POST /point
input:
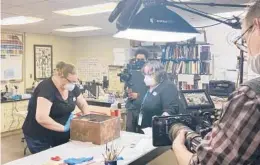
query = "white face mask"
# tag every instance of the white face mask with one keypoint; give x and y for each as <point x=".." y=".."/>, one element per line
<point x="69" y="86"/>
<point x="149" y="80"/>
<point x="254" y="63"/>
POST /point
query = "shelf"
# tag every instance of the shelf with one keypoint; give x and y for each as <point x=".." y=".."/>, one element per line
<point x="180" y="60"/>
<point x="194" y="74"/>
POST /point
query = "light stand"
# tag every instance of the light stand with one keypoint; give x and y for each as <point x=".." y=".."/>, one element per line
<point x="128" y="9"/>
<point x="234" y="23"/>
<point x="241" y="65"/>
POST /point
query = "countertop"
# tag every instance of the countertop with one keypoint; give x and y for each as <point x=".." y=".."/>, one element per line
<point x="135" y="146"/>
<point x="10" y="101"/>
<point x="89" y="101"/>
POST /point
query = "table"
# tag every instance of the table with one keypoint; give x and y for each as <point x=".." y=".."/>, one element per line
<point x="136" y="146"/>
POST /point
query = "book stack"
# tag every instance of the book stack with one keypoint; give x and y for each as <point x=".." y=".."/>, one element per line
<point x="191" y="67"/>
<point x="185" y="86"/>
<point x="205" y="59"/>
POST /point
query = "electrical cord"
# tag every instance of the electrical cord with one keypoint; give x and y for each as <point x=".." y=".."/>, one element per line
<point x="203" y="11"/>
<point x="207" y="26"/>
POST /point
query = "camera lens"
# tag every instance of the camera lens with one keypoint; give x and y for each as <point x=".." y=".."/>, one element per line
<point x="176" y="128"/>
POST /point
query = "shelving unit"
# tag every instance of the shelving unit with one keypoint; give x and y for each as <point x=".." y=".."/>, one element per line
<point x="185" y="62"/>
<point x="188" y="62"/>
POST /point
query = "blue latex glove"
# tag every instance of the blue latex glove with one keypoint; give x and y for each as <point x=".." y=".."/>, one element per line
<point x="73" y="161"/>
<point x="67" y="124"/>
<point x="120" y="158"/>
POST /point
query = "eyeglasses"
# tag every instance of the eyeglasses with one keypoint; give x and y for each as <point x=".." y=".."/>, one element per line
<point x="70" y="81"/>
<point x="242" y="46"/>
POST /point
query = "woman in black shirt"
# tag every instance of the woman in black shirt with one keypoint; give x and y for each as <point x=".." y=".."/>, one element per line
<point x="50" y="109"/>
<point x="162" y="97"/>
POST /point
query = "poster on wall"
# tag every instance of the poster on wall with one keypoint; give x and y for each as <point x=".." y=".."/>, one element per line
<point x="12" y="50"/>
<point x="42" y="61"/>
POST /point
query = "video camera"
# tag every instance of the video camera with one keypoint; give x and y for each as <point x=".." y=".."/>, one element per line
<point x="197" y="120"/>
<point x="126" y="74"/>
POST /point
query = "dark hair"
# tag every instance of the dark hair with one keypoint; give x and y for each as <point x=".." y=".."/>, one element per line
<point x="143" y="51"/>
<point x="65" y="69"/>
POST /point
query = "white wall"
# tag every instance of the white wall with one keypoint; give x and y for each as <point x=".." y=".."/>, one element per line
<point x="62" y="50"/>
<point x="224" y="51"/>
<point x="68" y="50"/>
<point x="98" y="47"/>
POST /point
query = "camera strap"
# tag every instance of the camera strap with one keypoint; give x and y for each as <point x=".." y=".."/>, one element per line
<point x="140" y="117"/>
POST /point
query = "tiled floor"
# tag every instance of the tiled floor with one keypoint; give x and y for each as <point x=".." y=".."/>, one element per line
<point x="11" y="148"/>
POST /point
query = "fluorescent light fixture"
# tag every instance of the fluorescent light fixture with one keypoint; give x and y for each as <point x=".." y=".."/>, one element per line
<point x="154" y="36"/>
<point x="88" y="10"/>
<point x="163" y="25"/>
<point x="78" y="29"/>
<point x="20" y="20"/>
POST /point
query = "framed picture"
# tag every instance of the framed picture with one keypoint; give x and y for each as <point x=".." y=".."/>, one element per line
<point x="42" y="61"/>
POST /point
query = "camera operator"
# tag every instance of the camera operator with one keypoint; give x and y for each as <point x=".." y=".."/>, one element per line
<point x="235" y="138"/>
<point x="136" y="91"/>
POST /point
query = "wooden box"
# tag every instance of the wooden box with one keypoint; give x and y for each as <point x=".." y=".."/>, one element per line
<point x="98" y="129"/>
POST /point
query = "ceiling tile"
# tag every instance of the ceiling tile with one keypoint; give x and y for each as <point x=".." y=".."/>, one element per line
<point x="44" y="9"/>
<point x="6" y="6"/>
<point x="19" y="2"/>
<point x="6" y="15"/>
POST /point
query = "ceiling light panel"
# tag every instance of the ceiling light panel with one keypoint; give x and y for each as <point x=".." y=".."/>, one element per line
<point x="78" y="29"/>
<point x="88" y="10"/>
<point x="20" y="20"/>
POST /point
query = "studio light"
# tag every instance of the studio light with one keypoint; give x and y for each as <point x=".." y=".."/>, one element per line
<point x="157" y="24"/>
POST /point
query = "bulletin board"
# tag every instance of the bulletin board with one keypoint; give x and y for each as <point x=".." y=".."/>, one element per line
<point x="12" y="53"/>
<point x="90" y="69"/>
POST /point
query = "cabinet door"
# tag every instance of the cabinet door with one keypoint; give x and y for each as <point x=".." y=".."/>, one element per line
<point x="22" y="105"/>
<point x="7" y="113"/>
<point x="2" y="120"/>
<point x="21" y="121"/>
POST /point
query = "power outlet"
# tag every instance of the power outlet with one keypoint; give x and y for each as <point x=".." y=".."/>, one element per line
<point x="30" y="75"/>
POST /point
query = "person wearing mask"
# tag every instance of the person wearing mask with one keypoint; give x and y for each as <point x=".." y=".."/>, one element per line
<point x="235" y="138"/>
<point x="136" y="89"/>
<point x="50" y="109"/>
<point x="162" y="97"/>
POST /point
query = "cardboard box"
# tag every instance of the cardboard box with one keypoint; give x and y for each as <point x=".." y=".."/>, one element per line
<point x="98" y="129"/>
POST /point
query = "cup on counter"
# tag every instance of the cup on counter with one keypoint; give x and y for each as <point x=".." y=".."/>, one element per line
<point x="113" y="162"/>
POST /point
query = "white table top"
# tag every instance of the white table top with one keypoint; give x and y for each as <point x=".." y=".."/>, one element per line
<point x="136" y="145"/>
